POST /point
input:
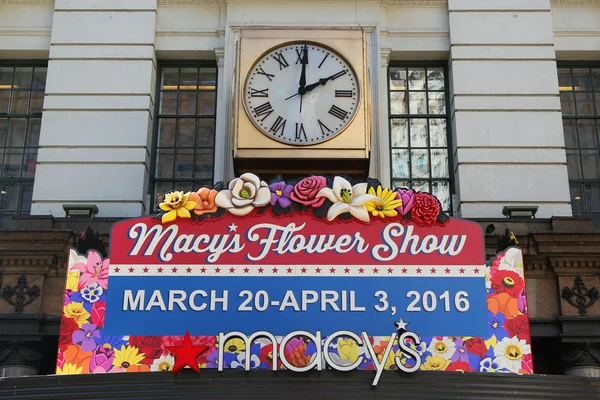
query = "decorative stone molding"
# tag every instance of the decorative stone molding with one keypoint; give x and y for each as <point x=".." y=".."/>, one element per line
<point x="576" y="2"/>
<point x="188" y="2"/>
<point x="28" y="2"/>
<point x="417" y="3"/>
<point x="21" y="294"/>
<point x="580" y="296"/>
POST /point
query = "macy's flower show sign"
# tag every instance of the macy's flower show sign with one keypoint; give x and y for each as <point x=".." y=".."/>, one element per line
<point x="311" y="274"/>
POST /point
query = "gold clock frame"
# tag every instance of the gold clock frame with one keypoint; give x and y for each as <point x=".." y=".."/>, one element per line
<point x="352" y="143"/>
<point x="308" y="42"/>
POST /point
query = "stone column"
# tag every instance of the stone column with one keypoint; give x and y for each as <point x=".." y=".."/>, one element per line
<point x="581" y="359"/>
<point x="18" y="359"/>
<point x="506" y="120"/>
<point x="97" y="125"/>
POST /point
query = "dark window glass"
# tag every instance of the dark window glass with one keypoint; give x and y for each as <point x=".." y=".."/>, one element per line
<point x="22" y="89"/>
<point x="419" y="131"/>
<point x="184" y="130"/>
<point x="580" y="101"/>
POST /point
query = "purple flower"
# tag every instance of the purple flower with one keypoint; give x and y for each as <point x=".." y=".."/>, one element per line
<point x="461" y="352"/>
<point x="85" y="336"/>
<point x="102" y="360"/>
<point x="408" y="200"/>
<point x="522" y="301"/>
<point x="280" y="193"/>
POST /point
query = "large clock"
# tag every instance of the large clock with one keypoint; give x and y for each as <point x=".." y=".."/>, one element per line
<point x="301" y="93"/>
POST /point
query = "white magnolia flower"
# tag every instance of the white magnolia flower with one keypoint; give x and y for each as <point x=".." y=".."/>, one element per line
<point x="163" y="363"/>
<point x="75" y="258"/>
<point x="444" y="348"/>
<point x="348" y="198"/>
<point x="512" y="261"/>
<point x="509" y="353"/>
<point x="245" y="194"/>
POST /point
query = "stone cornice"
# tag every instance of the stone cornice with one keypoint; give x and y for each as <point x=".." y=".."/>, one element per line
<point x="575" y="2"/>
<point x="28" y="2"/>
<point x="188" y="2"/>
<point x="416" y="3"/>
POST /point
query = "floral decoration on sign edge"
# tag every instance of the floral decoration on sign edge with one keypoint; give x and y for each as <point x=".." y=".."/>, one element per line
<point x="327" y="198"/>
<point x="83" y="347"/>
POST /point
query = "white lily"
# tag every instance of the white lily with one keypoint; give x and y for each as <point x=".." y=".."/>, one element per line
<point x="348" y="198"/>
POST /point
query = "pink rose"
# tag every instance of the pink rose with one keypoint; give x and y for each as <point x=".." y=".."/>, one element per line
<point x="306" y="190"/>
<point x="97" y="313"/>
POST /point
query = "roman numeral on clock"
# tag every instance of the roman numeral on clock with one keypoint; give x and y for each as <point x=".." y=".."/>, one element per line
<point x="261" y="71"/>
<point x="324" y="128"/>
<point x="300" y="53"/>
<point x="338" y="112"/>
<point x="264" y="109"/>
<point x="343" y="93"/>
<point x="262" y="93"/>
<point x="277" y="125"/>
<point x="300" y="132"/>
<point x="281" y="60"/>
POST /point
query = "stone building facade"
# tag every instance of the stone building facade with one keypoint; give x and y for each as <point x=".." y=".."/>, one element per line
<point x="488" y="104"/>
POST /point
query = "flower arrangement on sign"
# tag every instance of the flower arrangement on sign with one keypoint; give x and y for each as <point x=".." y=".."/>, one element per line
<point x="84" y="348"/>
<point x="325" y="197"/>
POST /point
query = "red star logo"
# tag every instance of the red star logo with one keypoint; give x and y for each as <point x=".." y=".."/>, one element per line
<point x="318" y="270"/>
<point x="188" y="270"/>
<point x="419" y="270"/>
<point x="303" y="270"/>
<point x="145" y="270"/>
<point x="160" y="270"/>
<point x="462" y="270"/>
<point x="231" y="270"/>
<point x="332" y="270"/>
<point x="260" y="270"/>
<point x="218" y="270"/>
<point x="447" y="270"/>
<point x="246" y="270"/>
<point x="361" y="270"/>
<point x="117" y="270"/>
<point x="174" y="270"/>
<point x="203" y="270"/>
<point x="289" y="270"/>
<point x="433" y="270"/>
<point x="131" y="270"/>
<point x="186" y="354"/>
<point x="390" y="270"/>
<point x="275" y="270"/>
<point x="347" y="270"/>
<point x="476" y="271"/>
<point x="375" y="271"/>
<point x="404" y="270"/>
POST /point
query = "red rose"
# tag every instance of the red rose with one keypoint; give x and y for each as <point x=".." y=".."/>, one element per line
<point x="461" y="366"/>
<point x="425" y="210"/>
<point x="67" y="327"/>
<point x="476" y="346"/>
<point x="97" y="313"/>
<point x="151" y="346"/>
<point x="506" y="281"/>
<point x="306" y="190"/>
<point x="209" y="341"/>
<point x="518" y="326"/>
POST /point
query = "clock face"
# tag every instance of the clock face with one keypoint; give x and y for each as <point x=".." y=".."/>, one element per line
<point x="301" y="94"/>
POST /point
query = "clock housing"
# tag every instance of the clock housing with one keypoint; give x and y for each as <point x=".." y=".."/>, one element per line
<point x="256" y="148"/>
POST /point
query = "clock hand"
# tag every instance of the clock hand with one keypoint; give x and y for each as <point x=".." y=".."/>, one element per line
<point x="303" y="73"/>
<point x="323" y="81"/>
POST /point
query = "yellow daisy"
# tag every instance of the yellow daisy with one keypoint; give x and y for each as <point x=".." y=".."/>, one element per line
<point x="176" y="204"/>
<point x="127" y="356"/>
<point x="389" y="205"/>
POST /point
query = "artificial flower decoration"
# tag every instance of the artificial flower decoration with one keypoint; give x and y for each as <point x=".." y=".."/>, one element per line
<point x="176" y="204"/>
<point x="76" y="311"/>
<point x="69" y="369"/>
<point x="205" y="200"/>
<point x="509" y="353"/>
<point x="408" y="200"/>
<point x="94" y="270"/>
<point x="280" y="194"/>
<point x="426" y="209"/>
<point x="86" y="337"/>
<point x="388" y="206"/>
<point x="245" y="194"/>
<point x="348" y="198"/>
<point x="127" y="357"/>
<point x="305" y="192"/>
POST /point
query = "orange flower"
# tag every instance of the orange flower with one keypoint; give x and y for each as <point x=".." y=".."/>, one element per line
<point x="138" y="368"/>
<point x="380" y="349"/>
<point x="298" y="357"/>
<point x="503" y="303"/>
<point x="74" y="355"/>
<point x="205" y="201"/>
